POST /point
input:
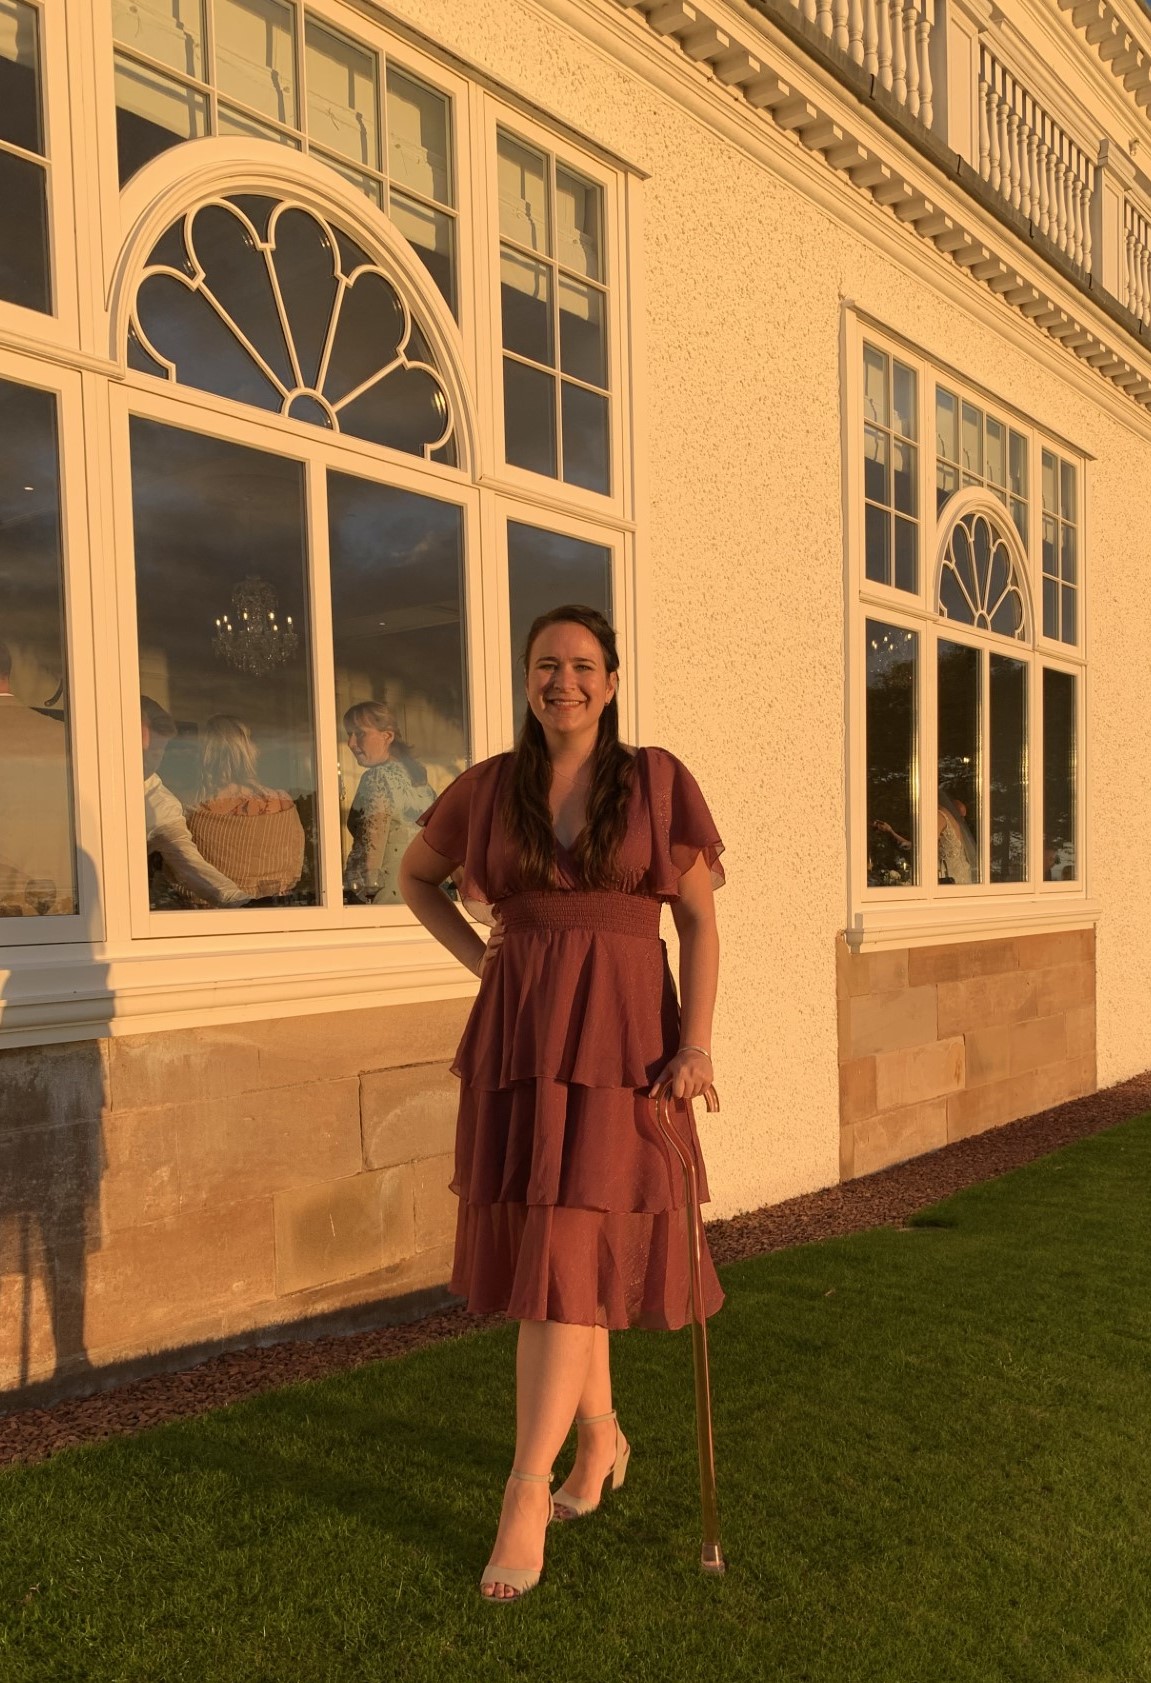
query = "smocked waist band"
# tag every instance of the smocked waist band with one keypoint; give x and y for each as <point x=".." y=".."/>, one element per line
<point x="602" y="911"/>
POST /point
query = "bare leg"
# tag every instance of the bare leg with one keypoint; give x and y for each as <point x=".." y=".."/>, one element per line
<point x="596" y="1447"/>
<point x="552" y="1359"/>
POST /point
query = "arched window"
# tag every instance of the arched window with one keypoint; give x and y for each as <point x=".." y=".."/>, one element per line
<point x="972" y="687"/>
<point x="299" y="556"/>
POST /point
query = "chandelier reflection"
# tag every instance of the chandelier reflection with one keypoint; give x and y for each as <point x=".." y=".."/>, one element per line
<point x="251" y="638"/>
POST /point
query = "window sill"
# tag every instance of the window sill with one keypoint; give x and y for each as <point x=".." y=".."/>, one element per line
<point x="83" y="992"/>
<point x="881" y="928"/>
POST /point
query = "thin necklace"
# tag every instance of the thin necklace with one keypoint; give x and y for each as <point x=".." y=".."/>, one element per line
<point x="565" y="776"/>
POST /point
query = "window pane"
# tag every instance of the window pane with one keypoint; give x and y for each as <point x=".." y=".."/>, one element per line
<point x="876" y="465"/>
<point x="958" y="816"/>
<point x="255" y="56"/>
<point x="523" y="176"/>
<point x="398" y="634"/>
<point x="236" y="122"/>
<point x="343" y="97"/>
<point x="947" y="424"/>
<point x="432" y="233"/>
<point x="20" y="119"/>
<point x="971" y="439"/>
<point x="585" y="439"/>
<point x="153" y="114"/>
<point x="1050" y="543"/>
<point x="1059" y="768"/>
<point x="946" y="484"/>
<point x="526" y="307"/>
<point x="546" y="569"/>
<point x="877" y="543"/>
<point x="906" y="475"/>
<point x="529" y="418"/>
<point x="579" y="222"/>
<point x="419" y="138"/>
<point x="892" y="767"/>
<point x="37" y="858"/>
<point x="1008" y="770"/>
<point x="1067" y="490"/>
<point x="1069" y="629"/>
<point x="1068" y="555"/>
<point x="1019" y="515"/>
<point x="906" y="555"/>
<point x="905" y="389"/>
<point x="1050" y="483"/>
<point x="996" y="452"/>
<point x="24" y="271"/>
<point x="1050" y="607"/>
<point x="171" y="31"/>
<point x="1018" y="463"/>
<point x="876" y="401"/>
<point x="230" y="791"/>
<point x="583" y="347"/>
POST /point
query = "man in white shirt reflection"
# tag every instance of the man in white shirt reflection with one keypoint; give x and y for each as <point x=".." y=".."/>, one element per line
<point x="36" y="858"/>
<point x="168" y="833"/>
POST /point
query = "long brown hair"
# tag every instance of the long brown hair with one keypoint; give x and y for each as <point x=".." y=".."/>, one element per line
<point x="526" y="811"/>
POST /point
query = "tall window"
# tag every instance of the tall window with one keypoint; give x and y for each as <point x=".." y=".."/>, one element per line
<point x="37" y="854"/>
<point x="273" y="70"/>
<point x="25" y="274"/>
<point x="554" y="308"/>
<point x="972" y="678"/>
<point x="303" y="688"/>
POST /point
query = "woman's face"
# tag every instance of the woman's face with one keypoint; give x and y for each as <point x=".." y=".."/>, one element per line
<point x="568" y="684"/>
<point x="369" y="745"/>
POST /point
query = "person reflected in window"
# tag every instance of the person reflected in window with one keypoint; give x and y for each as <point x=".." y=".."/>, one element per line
<point x="244" y="829"/>
<point x="35" y="813"/>
<point x="184" y="877"/>
<point x="393" y="792"/>
<point x="958" y="852"/>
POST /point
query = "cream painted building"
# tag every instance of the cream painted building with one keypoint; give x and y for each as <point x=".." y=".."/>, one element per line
<point x="336" y="340"/>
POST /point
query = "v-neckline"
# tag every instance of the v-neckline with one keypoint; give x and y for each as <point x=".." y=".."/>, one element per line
<point x="567" y="846"/>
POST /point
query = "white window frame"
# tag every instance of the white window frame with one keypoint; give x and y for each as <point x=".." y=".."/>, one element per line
<point x="927" y="911"/>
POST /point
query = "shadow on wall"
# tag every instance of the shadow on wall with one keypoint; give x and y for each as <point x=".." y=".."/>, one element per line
<point x="52" y="1164"/>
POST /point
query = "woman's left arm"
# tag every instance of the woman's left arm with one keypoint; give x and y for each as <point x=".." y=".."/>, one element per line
<point x="690" y="1070"/>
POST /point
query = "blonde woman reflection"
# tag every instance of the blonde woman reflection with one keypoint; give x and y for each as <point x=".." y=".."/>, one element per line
<point x="250" y="832"/>
<point x="392" y="794"/>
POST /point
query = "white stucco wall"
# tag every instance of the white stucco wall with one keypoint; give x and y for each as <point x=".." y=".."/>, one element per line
<point x="741" y="595"/>
<point x="741" y="568"/>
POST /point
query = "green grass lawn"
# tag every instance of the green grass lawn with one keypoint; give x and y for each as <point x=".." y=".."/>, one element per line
<point x="934" y="1451"/>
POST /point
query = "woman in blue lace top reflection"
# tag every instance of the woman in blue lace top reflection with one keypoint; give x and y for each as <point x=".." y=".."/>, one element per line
<point x="393" y="792"/>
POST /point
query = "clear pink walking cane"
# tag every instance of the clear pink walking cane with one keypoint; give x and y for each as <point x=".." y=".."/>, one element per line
<point x="711" y="1555"/>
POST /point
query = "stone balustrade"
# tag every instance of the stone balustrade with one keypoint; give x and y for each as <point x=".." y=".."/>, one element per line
<point x="1137" y="267"/>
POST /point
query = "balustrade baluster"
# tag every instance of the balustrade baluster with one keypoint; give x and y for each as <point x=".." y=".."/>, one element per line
<point x="1130" y="286"/>
<point x="926" y="87"/>
<point x="1085" y="224"/>
<point x="1054" y="227"/>
<point x="1002" y="111"/>
<point x="839" y="24"/>
<point x="1042" y="167"/>
<point x="1031" y="191"/>
<point x="909" y="21"/>
<point x="1016" y="171"/>
<point x="898" y="51"/>
<point x="1066" y="227"/>
<point x="984" y="103"/>
<point x="883" y="9"/>
<point x="870" y="38"/>
<point x="855" y="31"/>
<point x="823" y="16"/>
<point x="808" y="8"/>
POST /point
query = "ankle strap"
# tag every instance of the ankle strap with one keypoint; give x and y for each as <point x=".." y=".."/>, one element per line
<point x="532" y="1478"/>
<point x="594" y="1419"/>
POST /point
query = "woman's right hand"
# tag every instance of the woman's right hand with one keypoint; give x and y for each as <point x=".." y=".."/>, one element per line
<point x="494" y="943"/>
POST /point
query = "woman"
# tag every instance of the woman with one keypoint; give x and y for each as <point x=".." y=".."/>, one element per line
<point x="393" y="792"/>
<point x="571" y="1206"/>
<point x="250" y="833"/>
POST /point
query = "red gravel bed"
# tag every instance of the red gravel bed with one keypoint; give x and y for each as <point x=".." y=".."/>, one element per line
<point x="885" y="1199"/>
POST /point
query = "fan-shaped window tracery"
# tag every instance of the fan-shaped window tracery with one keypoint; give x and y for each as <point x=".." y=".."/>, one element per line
<point x="270" y="304"/>
<point x="979" y="584"/>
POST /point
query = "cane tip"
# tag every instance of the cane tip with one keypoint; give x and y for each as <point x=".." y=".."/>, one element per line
<point x="711" y="1560"/>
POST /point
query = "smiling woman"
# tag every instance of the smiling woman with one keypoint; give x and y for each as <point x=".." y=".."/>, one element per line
<point x="570" y="1216"/>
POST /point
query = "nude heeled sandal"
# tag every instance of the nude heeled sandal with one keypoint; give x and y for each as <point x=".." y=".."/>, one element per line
<point x="521" y="1579"/>
<point x="579" y="1506"/>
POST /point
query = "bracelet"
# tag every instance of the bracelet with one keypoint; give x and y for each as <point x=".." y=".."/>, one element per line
<point x="702" y="1049"/>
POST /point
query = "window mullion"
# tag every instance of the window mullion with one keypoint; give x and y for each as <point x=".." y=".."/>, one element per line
<point x="927" y="764"/>
<point x="328" y="820"/>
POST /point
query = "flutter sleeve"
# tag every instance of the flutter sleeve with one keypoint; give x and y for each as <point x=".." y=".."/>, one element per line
<point x="682" y="826"/>
<point x="458" y="825"/>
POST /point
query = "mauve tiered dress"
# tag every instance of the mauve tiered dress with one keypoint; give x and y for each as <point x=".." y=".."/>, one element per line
<point x="571" y="1204"/>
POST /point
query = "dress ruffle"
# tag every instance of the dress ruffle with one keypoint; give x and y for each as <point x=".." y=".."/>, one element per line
<point x="571" y="1203"/>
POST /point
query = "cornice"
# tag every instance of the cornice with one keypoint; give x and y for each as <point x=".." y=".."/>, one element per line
<point x="996" y="248"/>
<point x="1120" y="33"/>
